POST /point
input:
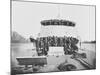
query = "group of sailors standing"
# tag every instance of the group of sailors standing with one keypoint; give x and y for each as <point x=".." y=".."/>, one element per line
<point x="43" y="44"/>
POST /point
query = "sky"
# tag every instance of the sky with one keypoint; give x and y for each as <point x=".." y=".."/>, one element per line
<point x="26" y="18"/>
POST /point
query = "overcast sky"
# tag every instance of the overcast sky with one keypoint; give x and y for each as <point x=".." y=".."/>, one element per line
<point x="26" y="17"/>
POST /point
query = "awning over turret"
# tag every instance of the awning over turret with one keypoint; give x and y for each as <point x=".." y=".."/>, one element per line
<point x="57" y="22"/>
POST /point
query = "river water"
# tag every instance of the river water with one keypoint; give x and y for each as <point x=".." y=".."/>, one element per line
<point x="21" y="50"/>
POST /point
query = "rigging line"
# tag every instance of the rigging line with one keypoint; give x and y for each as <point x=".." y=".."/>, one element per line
<point x="58" y="15"/>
